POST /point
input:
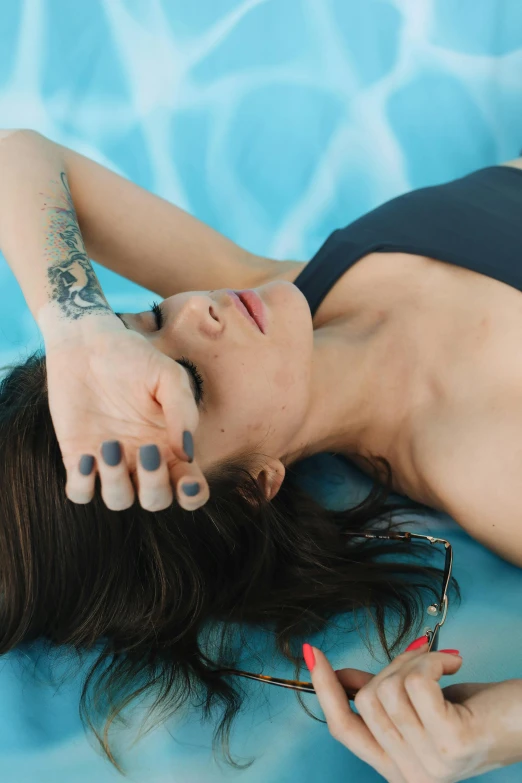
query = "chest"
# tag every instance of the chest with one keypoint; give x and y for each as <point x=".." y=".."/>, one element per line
<point x="469" y="436"/>
<point x="464" y="331"/>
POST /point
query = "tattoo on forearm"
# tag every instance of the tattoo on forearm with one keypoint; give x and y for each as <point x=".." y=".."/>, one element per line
<point x="74" y="286"/>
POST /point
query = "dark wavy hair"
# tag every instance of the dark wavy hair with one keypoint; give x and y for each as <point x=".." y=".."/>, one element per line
<point x="141" y="587"/>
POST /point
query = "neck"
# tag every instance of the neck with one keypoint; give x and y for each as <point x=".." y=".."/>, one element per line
<point x="366" y="388"/>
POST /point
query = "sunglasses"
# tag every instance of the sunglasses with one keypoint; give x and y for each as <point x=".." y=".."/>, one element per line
<point x="434" y="610"/>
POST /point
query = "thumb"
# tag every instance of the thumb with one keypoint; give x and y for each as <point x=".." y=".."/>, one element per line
<point x="179" y="414"/>
<point x="353" y="680"/>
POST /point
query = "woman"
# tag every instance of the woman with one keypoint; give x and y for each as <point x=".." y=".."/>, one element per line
<point x="403" y="358"/>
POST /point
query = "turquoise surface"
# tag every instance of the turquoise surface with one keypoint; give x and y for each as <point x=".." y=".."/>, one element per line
<point x="275" y="121"/>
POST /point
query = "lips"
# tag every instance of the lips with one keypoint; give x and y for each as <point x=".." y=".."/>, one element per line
<point x="255" y="307"/>
<point x="251" y="306"/>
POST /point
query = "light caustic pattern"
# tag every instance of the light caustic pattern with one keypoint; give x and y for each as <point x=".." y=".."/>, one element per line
<point x="275" y="121"/>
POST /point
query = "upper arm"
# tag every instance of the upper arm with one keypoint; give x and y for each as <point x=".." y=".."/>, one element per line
<point x="478" y="477"/>
<point x="152" y="242"/>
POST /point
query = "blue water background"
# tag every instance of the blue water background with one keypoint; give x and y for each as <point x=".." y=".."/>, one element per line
<point x="274" y="121"/>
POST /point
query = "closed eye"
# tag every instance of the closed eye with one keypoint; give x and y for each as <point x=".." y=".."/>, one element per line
<point x="155" y="308"/>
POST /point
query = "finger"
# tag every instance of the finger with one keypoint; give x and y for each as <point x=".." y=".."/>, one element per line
<point x="372" y="710"/>
<point x="421" y="683"/>
<point x="344" y="725"/>
<point x="190" y="485"/>
<point x="154" y="488"/>
<point x="353" y="679"/>
<point x="187" y="478"/>
<point x="394" y="698"/>
<point x="81" y="478"/>
<point x="391" y="717"/>
<point x="401" y="714"/>
<point x="117" y="489"/>
<point x="396" y="665"/>
<point x="181" y="417"/>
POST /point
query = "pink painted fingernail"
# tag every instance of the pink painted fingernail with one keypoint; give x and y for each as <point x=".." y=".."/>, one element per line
<point x="417" y="643"/>
<point x="308" y="655"/>
<point x="451" y="652"/>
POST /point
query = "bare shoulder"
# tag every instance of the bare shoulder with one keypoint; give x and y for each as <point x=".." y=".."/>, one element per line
<point x="516" y="163"/>
<point x="472" y="464"/>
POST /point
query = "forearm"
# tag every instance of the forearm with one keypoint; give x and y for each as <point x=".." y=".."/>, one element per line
<point x="41" y="239"/>
<point x="509" y="749"/>
<point x="494" y="712"/>
<point x="148" y="239"/>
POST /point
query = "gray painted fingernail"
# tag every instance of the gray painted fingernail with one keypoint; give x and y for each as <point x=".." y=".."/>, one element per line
<point x="188" y="445"/>
<point x="86" y="464"/>
<point x="190" y="489"/>
<point x="150" y="457"/>
<point x="111" y="452"/>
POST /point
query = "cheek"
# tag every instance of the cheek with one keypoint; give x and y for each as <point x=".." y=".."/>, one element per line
<point x="254" y="429"/>
<point x="286" y="379"/>
<point x="291" y="383"/>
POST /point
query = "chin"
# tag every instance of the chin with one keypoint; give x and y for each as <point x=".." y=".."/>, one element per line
<point x="284" y="295"/>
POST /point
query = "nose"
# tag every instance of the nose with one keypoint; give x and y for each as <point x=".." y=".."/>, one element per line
<point x="206" y="311"/>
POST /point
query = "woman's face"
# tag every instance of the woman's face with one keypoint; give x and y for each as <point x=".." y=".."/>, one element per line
<point x="256" y="386"/>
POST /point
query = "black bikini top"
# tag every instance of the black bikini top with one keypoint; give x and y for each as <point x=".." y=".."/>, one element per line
<point x="473" y="222"/>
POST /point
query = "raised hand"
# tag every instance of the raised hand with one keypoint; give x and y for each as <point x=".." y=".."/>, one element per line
<point x="113" y="387"/>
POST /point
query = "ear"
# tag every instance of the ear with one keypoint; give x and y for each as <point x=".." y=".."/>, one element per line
<point x="270" y="477"/>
